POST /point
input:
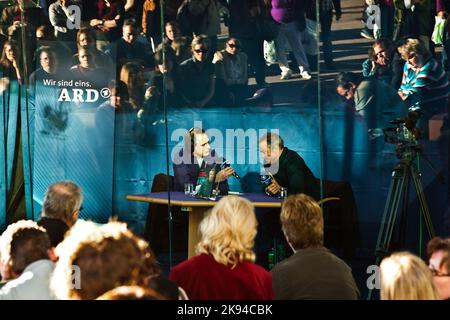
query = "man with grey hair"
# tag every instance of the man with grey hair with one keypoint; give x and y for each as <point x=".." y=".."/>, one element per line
<point x="60" y="210"/>
<point x="287" y="168"/>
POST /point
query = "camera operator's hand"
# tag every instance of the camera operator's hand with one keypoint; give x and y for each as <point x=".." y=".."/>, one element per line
<point x="273" y="188"/>
<point x="224" y="174"/>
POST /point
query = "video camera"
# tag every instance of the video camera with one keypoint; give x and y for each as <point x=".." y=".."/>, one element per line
<point x="405" y="131"/>
<point x="404" y="135"/>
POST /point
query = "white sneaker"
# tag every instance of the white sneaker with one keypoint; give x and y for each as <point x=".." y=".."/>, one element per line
<point x="305" y="75"/>
<point x="286" y="75"/>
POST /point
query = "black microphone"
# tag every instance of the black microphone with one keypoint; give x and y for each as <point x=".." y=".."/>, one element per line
<point x="236" y="175"/>
<point x="226" y="165"/>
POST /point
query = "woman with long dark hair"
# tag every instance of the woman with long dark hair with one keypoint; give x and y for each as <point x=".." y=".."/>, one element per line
<point x="10" y="62"/>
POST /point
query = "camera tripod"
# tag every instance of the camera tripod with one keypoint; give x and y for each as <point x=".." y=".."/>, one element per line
<point x="402" y="174"/>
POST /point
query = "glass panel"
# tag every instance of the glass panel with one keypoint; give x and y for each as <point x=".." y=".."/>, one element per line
<point x="107" y="97"/>
<point x="358" y="150"/>
<point x="233" y="95"/>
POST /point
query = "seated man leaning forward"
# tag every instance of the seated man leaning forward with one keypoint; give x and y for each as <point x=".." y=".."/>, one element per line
<point x="196" y="160"/>
<point x="287" y="168"/>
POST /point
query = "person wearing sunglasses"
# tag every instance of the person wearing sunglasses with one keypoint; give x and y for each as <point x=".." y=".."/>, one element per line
<point x="231" y="72"/>
<point x="438" y="251"/>
<point x="425" y="84"/>
<point x="196" y="78"/>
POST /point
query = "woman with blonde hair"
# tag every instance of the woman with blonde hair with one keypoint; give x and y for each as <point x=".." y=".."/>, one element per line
<point x="224" y="268"/>
<point x="406" y="277"/>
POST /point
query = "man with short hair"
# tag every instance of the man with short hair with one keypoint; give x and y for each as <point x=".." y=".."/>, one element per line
<point x="312" y="272"/>
<point x="287" y="168"/>
<point x="196" y="77"/>
<point x="374" y="100"/>
<point x="197" y="158"/>
<point x="62" y="205"/>
<point x="128" y="48"/>
<point x="25" y="250"/>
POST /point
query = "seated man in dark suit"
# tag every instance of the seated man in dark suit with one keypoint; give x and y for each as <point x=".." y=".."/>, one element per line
<point x="190" y="162"/>
<point x="290" y="171"/>
<point x="188" y="167"/>
<point x="287" y="168"/>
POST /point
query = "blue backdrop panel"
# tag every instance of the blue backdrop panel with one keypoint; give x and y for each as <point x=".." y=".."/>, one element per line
<point x="145" y="160"/>
<point x="9" y="111"/>
<point x="68" y="146"/>
<point x="349" y="155"/>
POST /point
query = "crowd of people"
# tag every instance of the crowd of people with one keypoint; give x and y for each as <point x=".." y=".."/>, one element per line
<point x="397" y="81"/>
<point x="62" y="257"/>
<point x="120" y="45"/>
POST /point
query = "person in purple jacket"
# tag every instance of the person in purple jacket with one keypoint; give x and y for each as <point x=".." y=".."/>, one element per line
<point x="291" y="17"/>
<point x="442" y="8"/>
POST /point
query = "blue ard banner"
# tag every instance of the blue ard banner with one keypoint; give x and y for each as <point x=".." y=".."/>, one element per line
<point x="70" y="99"/>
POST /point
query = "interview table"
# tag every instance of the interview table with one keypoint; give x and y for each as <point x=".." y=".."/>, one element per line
<point x="196" y="208"/>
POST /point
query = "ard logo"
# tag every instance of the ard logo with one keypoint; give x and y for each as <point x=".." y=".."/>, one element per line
<point x="82" y="95"/>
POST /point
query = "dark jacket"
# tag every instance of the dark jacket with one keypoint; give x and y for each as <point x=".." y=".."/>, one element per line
<point x="294" y="174"/>
<point x="56" y="229"/>
<point x="188" y="172"/>
<point x="125" y="52"/>
<point x="323" y="276"/>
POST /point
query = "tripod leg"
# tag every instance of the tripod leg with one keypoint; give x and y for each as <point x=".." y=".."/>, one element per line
<point x="425" y="212"/>
<point x="404" y="211"/>
<point x="390" y="213"/>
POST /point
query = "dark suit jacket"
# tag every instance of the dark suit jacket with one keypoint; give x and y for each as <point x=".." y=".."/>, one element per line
<point x="188" y="172"/>
<point x="294" y="174"/>
<point x="323" y="276"/>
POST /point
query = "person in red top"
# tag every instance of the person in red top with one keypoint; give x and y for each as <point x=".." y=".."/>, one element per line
<point x="224" y="268"/>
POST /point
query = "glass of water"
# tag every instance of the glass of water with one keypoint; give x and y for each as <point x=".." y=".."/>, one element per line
<point x="188" y="188"/>
<point x="283" y="193"/>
